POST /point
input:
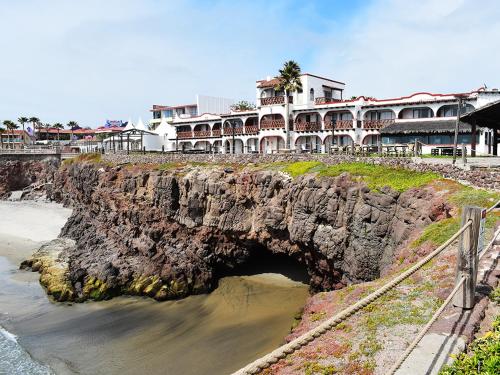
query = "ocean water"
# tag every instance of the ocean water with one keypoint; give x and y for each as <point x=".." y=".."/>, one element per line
<point x="14" y="360"/>
<point x="218" y="333"/>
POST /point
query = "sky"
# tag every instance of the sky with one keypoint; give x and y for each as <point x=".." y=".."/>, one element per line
<point x="94" y="60"/>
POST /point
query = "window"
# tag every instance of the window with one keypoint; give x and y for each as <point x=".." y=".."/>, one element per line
<point x="168" y="113"/>
<point x="421" y="113"/>
<point x="193" y="111"/>
<point x="311" y="95"/>
<point x="156" y="114"/>
<point x="328" y="94"/>
<point x="346" y="116"/>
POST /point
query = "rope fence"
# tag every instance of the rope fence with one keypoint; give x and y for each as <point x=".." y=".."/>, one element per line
<point x="294" y="345"/>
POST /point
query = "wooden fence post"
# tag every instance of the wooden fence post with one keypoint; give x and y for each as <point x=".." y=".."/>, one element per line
<point x="467" y="258"/>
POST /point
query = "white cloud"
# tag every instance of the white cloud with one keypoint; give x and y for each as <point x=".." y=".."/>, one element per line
<point x="396" y="47"/>
<point x="92" y="60"/>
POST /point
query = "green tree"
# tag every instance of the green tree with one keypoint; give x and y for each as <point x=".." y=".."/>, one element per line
<point x="46" y="126"/>
<point x="34" y="121"/>
<point x="58" y="126"/>
<point x="22" y="121"/>
<point x="71" y="125"/>
<point x="243" y="105"/>
<point x="289" y="77"/>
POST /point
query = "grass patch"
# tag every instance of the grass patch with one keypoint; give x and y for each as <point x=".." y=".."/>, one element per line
<point x="94" y="157"/>
<point x="439" y="232"/>
<point x="313" y="368"/>
<point x="375" y="176"/>
<point x="483" y="355"/>
<point x="168" y="166"/>
<point x="468" y="196"/>
<point x="301" y="167"/>
<point x="378" y="176"/>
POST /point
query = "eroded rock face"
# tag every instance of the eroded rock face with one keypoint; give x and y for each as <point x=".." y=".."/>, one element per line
<point x="168" y="235"/>
<point x="17" y="175"/>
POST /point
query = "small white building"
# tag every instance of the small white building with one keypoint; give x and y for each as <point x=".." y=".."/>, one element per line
<point x="204" y="104"/>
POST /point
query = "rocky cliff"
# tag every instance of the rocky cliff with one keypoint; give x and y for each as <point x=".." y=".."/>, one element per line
<point x="17" y="174"/>
<point x="168" y="234"/>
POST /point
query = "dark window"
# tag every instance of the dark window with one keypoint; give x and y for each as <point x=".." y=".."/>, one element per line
<point x="421" y="113"/>
<point x="311" y="95"/>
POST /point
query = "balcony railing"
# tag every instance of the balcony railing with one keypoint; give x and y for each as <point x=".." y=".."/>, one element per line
<point x="229" y="130"/>
<point x="184" y="134"/>
<point x="202" y="133"/>
<point x="272" y="124"/>
<point x="340" y="125"/>
<point x="377" y="124"/>
<point x="324" y="100"/>
<point x="216" y="132"/>
<point x="251" y="129"/>
<point x="273" y="100"/>
<point x="307" y="126"/>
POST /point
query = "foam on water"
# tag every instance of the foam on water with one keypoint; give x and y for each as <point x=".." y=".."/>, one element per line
<point x="14" y="360"/>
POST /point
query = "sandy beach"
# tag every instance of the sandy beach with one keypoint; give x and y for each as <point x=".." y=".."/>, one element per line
<point x="242" y="319"/>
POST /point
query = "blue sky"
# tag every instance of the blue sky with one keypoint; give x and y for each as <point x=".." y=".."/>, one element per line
<point x="95" y="60"/>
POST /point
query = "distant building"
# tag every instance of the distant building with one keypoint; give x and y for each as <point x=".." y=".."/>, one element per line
<point x="320" y="117"/>
<point x="14" y="139"/>
<point x="204" y="104"/>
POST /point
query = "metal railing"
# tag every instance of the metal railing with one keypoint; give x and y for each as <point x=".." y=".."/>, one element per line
<point x="467" y="248"/>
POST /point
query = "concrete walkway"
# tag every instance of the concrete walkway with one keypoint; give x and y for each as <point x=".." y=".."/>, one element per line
<point x="476" y="162"/>
<point x="455" y="327"/>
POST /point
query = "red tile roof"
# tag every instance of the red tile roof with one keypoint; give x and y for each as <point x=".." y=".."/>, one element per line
<point x="271" y="83"/>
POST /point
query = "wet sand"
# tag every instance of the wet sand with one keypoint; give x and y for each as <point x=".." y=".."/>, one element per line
<point x="245" y="317"/>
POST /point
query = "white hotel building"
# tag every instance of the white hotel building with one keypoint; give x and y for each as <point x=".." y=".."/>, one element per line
<point x="319" y="107"/>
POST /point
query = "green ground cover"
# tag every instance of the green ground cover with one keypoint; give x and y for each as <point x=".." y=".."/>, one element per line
<point x="375" y="176"/>
<point x="483" y="354"/>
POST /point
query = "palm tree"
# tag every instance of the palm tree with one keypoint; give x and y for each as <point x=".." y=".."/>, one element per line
<point x="72" y="125"/>
<point x="11" y="125"/>
<point x="47" y="126"/>
<point x="22" y="121"/>
<point x="34" y="121"/>
<point x="289" y="83"/>
<point x="58" y="126"/>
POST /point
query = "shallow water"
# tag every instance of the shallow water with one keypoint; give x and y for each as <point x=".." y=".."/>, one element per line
<point x="244" y="318"/>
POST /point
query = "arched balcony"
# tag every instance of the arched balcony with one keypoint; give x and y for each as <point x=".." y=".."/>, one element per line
<point x="203" y="146"/>
<point x="415" y="113"/>
<point x="271" y="144"/>
<point x="202" y="131"/>
<point x="308" y="144"/>
<point x="342" y="120"/>
<point x="216" y="129"/>
<point x="233" y="127"/>
<point x="339" y="140"/>
<point x="235" y="147"/>
<point x="274" y="121"/>
<point x="252" y="145"/>
<point x="252" y="125"/>
<point x="184" y="132"/>
<point x="378" y="119"/>
<point x="450" y="110"/>
<point x="307" y="122"/>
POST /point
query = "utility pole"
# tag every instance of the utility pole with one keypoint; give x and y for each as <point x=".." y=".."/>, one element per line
<point x="232" y="127"/>
<point x="457" y="124"/>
